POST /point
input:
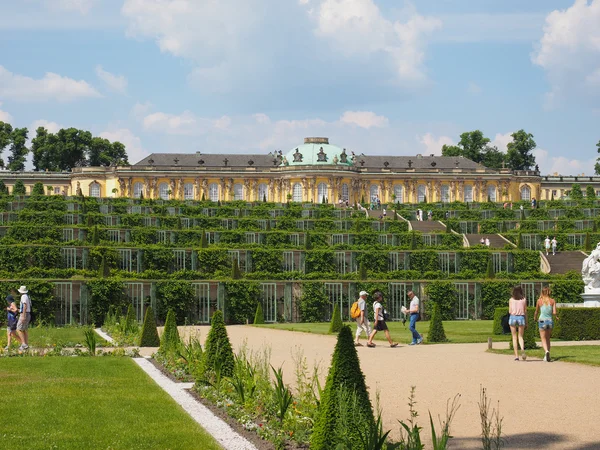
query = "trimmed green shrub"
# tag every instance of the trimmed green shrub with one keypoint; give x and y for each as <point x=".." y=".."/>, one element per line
<point x="577" y="324"/>
<point x="149" y="337"/>
<point x="344" y="374"/>
<point x="170" y="337"/>
<point x="236" y="274"/>
<point x="131" y="324"/>
<point x="241" y="301"/>
<point x="259" y="317"/>
<point x="336" y="320"/>
<point x="203" y="240"/>
<point x="442" y="293"/>
<point x="568" y="291"/>
<point x="38" y="189"/>
<point x="436" y="327"/>
<point x="530" y="332"/>
<point x="494" y="294"/>
<point x="313" y="303"/>
<point x="217" y="349"/>
<point x="19" y="188"/>
<point x="362" y="272"/>
<point x="95" y="236"/>
<point x="490" y="274"/>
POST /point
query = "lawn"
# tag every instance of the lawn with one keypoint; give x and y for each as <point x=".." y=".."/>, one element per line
<point x="85" y="402"/>
<point x="582" y="354"/>
<point x="48" y="336"/>
<point x="457" y="331"/>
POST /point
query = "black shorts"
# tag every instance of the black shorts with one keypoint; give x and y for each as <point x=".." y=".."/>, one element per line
<point x="381" y="325"/>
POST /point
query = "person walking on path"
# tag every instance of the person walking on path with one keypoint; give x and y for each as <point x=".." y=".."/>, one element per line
<point x="24" y="318"/>
<point x="362" y="321"/>
<point x="487" y="242"/>
<point x="517" y="310"/>
<point x="554" y="244"/>
<point x="379" y="324"/>
<point x="545" y="311"/>
<point x="12" y="319"/>
<point x="413" y="311"/>
<point x="547" y="244"/>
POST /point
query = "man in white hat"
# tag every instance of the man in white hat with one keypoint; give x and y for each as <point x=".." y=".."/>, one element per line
<point x="24" y="317"/>
<point x="362" y="322"/>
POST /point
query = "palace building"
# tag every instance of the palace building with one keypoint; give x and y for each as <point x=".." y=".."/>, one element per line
<point x="314" y="171"/>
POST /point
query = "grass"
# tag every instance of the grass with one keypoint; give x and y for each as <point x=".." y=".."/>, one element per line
<point x="104" y="402"/>
<point x="582" y="354"/>
<point x="48" y="336"/>
<point x="457" y="331"/>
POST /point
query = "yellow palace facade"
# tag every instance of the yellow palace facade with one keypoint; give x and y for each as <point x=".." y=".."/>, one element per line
<point x="314" y="171"/>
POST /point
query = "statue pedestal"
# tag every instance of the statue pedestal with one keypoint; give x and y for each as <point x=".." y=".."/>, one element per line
<point x="591" y="300"/>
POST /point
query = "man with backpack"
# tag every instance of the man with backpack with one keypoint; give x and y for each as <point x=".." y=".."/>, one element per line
<point x="381" y="316"/>
<point x="12" y="313"/>
<point x="359" y="313"/>
<point x="24" y="318"/>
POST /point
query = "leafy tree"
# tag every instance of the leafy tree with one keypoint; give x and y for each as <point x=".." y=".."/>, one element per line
<point x="3" y="188"/>
<point x="19" y="188"/>
<point x="218" y="347"/>
<point x="519" y="155"/>
<point x="576" y="192"/>
<point x="38" y="189"/>
<point x="475" y="146"/>
<point x="149" y="337"/>
<point x="336" y="320"/>
<point x="18" y="149"/>
<point x="102" y="152"/>
<point x="259" y="317"/>
<point x="170" y="337"/>
<point x="436" y="331"/>
<point x="6" y="131"/>
<point x="344" y="375"/>
<point x="596" y="167"/>
<point x="590" y="193"/>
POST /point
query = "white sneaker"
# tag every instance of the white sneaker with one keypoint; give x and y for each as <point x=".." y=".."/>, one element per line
<point x="24" y="347"/>
<point x="7" y="348"/>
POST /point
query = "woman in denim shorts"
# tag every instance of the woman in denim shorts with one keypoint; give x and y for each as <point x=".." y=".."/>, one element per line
<point x="517" y="308"/>
<point x="545" y="311"/>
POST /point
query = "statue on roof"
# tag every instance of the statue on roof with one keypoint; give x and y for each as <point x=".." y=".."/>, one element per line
<point x="321" y="156"/>
<point x="343" y="157"/>
<point x="335" y="159"/>
<point x="285" y="162"/>
<point x="297" y="156"/>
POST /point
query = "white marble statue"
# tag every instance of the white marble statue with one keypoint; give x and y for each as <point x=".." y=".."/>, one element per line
<point x="590" y="271"/>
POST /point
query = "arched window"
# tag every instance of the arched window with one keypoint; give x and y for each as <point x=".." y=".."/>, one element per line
<point x="95" y="190"/>
<point x="297" y="193"/>
<point x="374" y="191"/>
<point x="263" y="192"/>
<point x="138" y="188"/>
<point x="399" y="193"/>
<point x="213" y="192"/>
<point x="345" y="192"/>
<point x="238" y="191"/>
<point x="445" y="193"/>
<point x="163" y="191"/>
<point x="188" y="191"/>
<point x="322" y="193"/>
<point x="421" y="193"/>
<point x="525" y="193"/>
<point x="491" y="193"/>
<point x="468" y="193"/>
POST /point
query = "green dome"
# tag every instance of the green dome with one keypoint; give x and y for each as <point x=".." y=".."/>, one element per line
<point x="316" y="151"/>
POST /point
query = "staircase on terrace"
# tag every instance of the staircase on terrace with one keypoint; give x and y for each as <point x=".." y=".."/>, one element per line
<point x="562" y="262"/>
<point x="496" y="241"/>
<point x="427" y="226"/>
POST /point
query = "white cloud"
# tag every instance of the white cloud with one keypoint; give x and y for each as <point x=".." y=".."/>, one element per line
<point x="433" y="145"/>
<point x="52" y="127"/>
<point x="501" y="141"/>
<point x="569" y="51"/>
<point x="117" y="83"/>
<point x="185" y="123"/>
<point x="358" y="27"/>
<point x="51" y="87"/>
<point x="364" y="119"/>
<point x="132" y="143"/>
<point x="81" y="6"/>
<point x="4" y="116"/>
<point x="549" y="165"/>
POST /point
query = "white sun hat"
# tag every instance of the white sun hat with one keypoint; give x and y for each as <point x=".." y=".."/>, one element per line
<point x="23" y="290"/>
<point x="363" y="293"/>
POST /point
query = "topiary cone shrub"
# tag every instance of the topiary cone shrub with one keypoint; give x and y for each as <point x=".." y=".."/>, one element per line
<point x="170" y="337"/>
<point x="362" y="272"/>
<point x="436" y="331"/>
<point x="203" y="240"/>
<point x="336" y="320"/>
<point x="130" y="320"/>
<point x="149" y="337"/>
<point x="218" y="347"/>
<point x="236" y="273"/>
<point x="490" y="274"/>
<point x="344" y="374"/>
<point x="259" y="317"/>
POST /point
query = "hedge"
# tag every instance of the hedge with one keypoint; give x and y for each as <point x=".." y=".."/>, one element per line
<point x="577" y="324"/>
<point x="531" y="333"/>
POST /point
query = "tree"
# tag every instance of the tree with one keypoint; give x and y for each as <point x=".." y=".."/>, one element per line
<point x="336" y="320"/>
<point x="436" y="331"/>
<point x="102" y="152"/>
<point x="6" y="131"/>
<point x="596" y="167"/>
<point x="3" y="188"/>
<point x="576" y="192"/>
<point x="519" y="155"/>
<point x="38" y="189"/>
<point x="18" y="149"/>
<point x="19" y="188"/>
<point x="149" y="337"/>
<point x="590" y="193"/>
<point x="344" y="376"/>
<point x="170" y="337"/>
<point x="218" y="347"/>
<point x="475" y="146"/>
<point x="259" y="317"/>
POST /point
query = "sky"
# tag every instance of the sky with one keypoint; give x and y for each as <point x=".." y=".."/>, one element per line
<point x="381" y="77"/>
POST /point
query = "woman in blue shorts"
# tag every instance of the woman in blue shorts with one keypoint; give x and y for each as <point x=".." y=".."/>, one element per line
<point x="517" y="308"/>
<point x="545" y="312"/>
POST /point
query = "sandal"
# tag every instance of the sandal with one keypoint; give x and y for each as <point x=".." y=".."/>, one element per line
<point x="394" y="345"/>
<point x="371" y="345"/>
<point x="358" y="344"/>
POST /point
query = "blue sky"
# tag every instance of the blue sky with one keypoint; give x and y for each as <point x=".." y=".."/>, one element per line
<point x="376" y="76"/>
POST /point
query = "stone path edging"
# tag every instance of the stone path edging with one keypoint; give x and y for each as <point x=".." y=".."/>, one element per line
<point x="223" y="433"/>
<point x="104" y="336"/>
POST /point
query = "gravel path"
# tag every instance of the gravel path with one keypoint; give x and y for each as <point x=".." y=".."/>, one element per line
<point x="544" y="405"/>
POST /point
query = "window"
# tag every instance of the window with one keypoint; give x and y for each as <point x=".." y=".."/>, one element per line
<point x="138" y="188"/>
<point x="213" y="192"/>
<point x="263" y="192"/>
<point x="322" y="193"/>
<point x="421" y="193"/>
<point x="345" y="192"/>
<point x="398" y="193"/>
<point x="188" y="191"/>
<point x="163" y="191"/>
<point x="238" y="191"/>
<point x="374" y="192"/>
<point x="525" y="193"/>
<point x="297" y="192"/>
<point x="94" y="190"/>
<point x="491" y="193"/>
<point x="468" y="193"/>
<point x="445" y="193"/>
